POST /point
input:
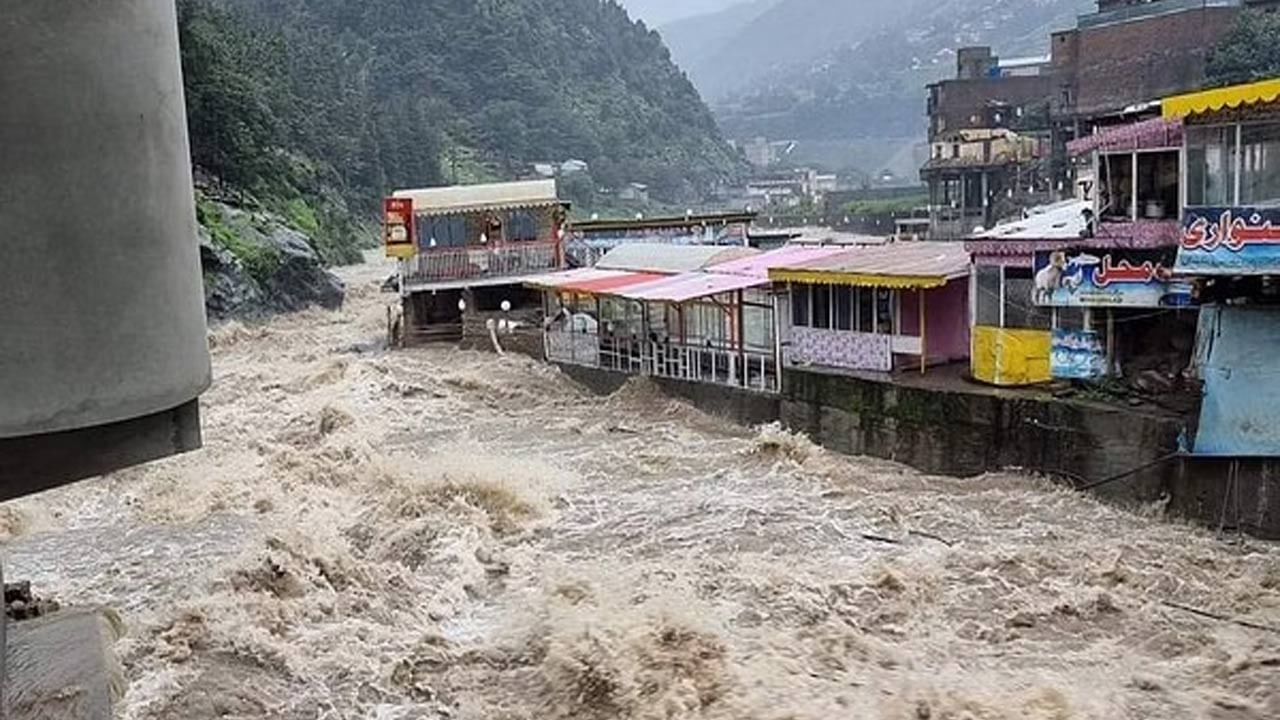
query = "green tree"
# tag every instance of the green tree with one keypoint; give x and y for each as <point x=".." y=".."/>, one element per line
<point x="1250" y="51"/>
<point x="319" y="108"/>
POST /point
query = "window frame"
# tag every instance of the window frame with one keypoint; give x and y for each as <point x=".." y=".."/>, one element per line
<point x="1234" y="196"/>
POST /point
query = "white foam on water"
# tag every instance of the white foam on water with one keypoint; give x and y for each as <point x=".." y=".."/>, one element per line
<point x="442" y="533"/>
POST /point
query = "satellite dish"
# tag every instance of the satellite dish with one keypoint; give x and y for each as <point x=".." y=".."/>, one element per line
<point x="462" y="306"/>
<point x="506" y="306"/>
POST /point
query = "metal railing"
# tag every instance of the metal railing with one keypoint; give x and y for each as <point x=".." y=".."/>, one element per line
<point x="476" y="262"/>
<point x="750" y="369"/>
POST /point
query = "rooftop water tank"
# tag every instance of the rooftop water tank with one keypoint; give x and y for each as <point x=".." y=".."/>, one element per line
<point x="103" y="349"/>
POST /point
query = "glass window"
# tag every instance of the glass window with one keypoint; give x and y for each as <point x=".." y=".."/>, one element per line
<point x="988" y="296"/>
<point x="1158" y="185"/>
<point x="822" y="307"/>
<point x="884" y="313"/>
<point x="843" y="298"/>
<point x="866" y="305"/>
<point x="1117" y="186"/>
<point x="1260" y="164"/>
<point x="1211" y="166"/>
<point x="521" y="225"/>
<point x="1019" y="311"/>
<point x="800" y="305"/>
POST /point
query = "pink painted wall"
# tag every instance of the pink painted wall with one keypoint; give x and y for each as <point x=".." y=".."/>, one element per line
<point x="946" y="316"/>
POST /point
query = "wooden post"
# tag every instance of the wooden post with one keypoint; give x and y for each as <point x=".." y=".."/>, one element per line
<point x="644" y="336"/>
<point x="742" y="340"/>
<point x="1111" y="342"/>
<point x="777" y="345"/>
<point x="1002" y="298"/>
<point x="1133" y="188"/>
<point x="924" y="336"/>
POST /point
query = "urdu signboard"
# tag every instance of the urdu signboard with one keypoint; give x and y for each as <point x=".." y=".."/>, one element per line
<point x="1108" y="278"/>
<point x="1230" y="241"/>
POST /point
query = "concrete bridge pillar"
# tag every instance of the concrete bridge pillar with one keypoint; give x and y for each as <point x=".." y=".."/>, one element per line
<point x="101" y="302"/>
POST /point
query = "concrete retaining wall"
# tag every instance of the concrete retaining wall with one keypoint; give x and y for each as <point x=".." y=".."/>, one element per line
<point x="968" y="433"/>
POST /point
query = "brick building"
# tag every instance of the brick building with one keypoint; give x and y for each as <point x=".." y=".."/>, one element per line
<point x="989" y="133"/>
<point x="1112" y="68"/>
<point x="988" y="93"/>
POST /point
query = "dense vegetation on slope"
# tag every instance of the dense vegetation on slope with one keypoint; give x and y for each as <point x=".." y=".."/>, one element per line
<point x="318" y="107"/>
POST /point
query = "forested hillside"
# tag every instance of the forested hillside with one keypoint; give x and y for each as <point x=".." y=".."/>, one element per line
<point x="316" y="108"/>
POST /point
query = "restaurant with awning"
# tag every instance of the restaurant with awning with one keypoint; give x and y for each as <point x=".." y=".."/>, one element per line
<point x="715" y="322"/>
<point x="1230" y="249"/>
<point x="877" y="309"/>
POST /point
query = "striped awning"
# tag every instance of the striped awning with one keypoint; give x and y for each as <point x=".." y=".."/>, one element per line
<point x="758" y="266"/>
<point x="552" y="281"/>
<point x="1154" y="134"/>
<point x="691" y="286"/>
<point x="591" y="281"/>
<point x="617" y="285"/>
<point x="1227" y="98"/>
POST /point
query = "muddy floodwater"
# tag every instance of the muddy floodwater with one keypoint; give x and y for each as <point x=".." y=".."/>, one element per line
<point x="445" y="534"/>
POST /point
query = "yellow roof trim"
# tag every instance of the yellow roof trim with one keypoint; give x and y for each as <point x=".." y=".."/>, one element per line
<point x="1236" y="96"/>
<point x="822" y="277"/>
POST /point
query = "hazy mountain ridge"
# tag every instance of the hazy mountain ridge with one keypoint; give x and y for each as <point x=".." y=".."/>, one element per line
<point x="660" y="12"/>
<point x="862" y="74"/>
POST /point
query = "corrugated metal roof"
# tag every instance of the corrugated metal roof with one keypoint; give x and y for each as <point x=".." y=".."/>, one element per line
<point x="1151" y="134"/>
<point x="669" y="259"/>
<point x="472" y="198"/>
<point x="616" y="285"/>
<point x="758" y="266"/>
<point x="1059" y="221"/>
<point x="906" y="264"/>
<point x="568" y="277"/>
<point x="593" y="280"/>
<point x="691" y="286"/>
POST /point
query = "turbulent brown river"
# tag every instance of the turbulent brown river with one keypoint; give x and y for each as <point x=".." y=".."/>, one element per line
<point x="445" y="534"/>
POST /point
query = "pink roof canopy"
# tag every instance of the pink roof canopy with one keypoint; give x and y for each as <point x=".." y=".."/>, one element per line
<point x="758" y="266"/>
<point x="1146" y="135"/>
<point x="691" y="286"/>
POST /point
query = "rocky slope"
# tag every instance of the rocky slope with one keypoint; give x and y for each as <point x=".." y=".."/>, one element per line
<point x="255" y="265"/>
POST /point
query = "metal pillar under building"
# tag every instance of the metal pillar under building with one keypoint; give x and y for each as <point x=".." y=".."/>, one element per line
<point x="103" y="350"/>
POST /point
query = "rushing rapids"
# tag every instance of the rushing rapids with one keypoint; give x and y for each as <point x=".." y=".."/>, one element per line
<point x="436" y="533"/>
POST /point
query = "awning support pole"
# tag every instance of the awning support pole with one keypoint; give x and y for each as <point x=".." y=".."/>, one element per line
<point x="924" y="336"/>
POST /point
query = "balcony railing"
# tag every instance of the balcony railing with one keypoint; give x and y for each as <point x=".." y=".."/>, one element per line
<point x="512" y="259"/>
<point x="750" y="369"/>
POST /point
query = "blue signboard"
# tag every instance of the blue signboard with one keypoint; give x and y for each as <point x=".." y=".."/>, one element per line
<point x="1078" y="355"/>
<point x="1108" y="278"/>
<point x="1230" y="241"/>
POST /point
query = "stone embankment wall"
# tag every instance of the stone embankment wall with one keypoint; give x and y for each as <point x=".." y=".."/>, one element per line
<point x="968" y="433"/>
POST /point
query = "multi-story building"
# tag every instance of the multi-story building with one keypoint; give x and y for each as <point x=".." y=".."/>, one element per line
<point x="988" y="134"/>
<point x="1111" y="69"/>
